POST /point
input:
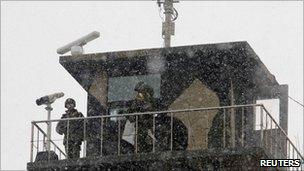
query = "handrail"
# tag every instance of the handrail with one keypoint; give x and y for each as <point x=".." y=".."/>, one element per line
<point x="147" y="113"/>
<point x="281" y="129"/>
<point x="176" y="111"/>
<point x="44" y="134"/>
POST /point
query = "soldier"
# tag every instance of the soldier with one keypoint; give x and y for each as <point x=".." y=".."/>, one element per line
<point x="143" y="102"/>
<point x="72" y="130"/>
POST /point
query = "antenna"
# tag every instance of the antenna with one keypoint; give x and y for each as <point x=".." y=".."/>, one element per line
<point x="76" y="47"/>
<point x="171" y="14"/>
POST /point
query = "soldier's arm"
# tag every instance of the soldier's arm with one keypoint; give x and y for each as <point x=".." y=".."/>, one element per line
<point x="62" y="125"/>
<point x="132" y="109"/>
<point x="80" y="121"/>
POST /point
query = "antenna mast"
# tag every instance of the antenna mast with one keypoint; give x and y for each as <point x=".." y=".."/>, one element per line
<point x="168" y="26"/>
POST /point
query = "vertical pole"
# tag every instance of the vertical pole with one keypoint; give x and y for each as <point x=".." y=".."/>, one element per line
<point x="84" y="138"/>
<point x="205" y="113"/>
<point x="171" y="133"/>
<point x="37" y="140"/>
<point x="288" y="152"/>
<point x="49" y="129"/>
<point x="271" y="141"/>
<point x="101" y="135"/>
<point x="44" y="144"/>
<point x="266" y="130"/>
<point x="32" y="142"/>
<point x="153" y="150"/>
<point x="191" y="140"/>
<point x="283" y="117"/>
<point x="276" y="141"/>
<point x="261" y="124"/>
<point x="55" y="149"/>
<point x="232" y="115"/>
<point x="167" y="25"/>
<point x="136" y="134"/>
<point x="242" y="127"/>
<point x="67" y="140"/>
<point x="301" y="162"/>
<point x="224" y="128"/>
<point x="118" y="142"/>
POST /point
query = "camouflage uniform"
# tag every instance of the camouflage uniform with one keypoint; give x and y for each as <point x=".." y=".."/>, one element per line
<point x="143" y="103"/>
<point x="72" y="130"/>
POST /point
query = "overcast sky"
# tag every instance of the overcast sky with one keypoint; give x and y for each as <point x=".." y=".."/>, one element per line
<point x="32" y="31"/>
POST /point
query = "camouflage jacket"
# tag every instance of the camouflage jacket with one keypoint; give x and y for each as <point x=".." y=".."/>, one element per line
<point x="144" y="121"/>
<point x="73" y="129"/>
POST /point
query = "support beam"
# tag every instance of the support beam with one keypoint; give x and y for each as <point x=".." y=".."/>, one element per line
<point x="283" y="97"/>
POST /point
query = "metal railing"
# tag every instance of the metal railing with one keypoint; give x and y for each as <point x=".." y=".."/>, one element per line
<point x="277" y="142"/>
<point x="239" y="126"/>
<point x="42" y="143"/>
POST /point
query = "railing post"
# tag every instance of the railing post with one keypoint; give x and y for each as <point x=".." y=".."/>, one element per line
<point x="67" y="139"/>
<point x="171" y="133"/>
<point x="261" y="125"/>
<point x="136" y="134"/>
<point x="37" y="140"/>
<point x="153" y="149"/>
<point x="118" y="142"/>
<point x="32" y="142"/>
<point x="84" y="137"/>
<point x="242" y="127"/>
<point x="276" y="142"/>
<point x="271" y="130"/>
<point x="232" y="126"/>
<point x="288" y="149"/>
<point x="301" y="161"/>
<point x="101" y="135"/>
<point x="205" y="114"/>
<point x="224" y="128"/>
<point x="266" y="130"/>
<point x="190" y="132"/>
<point x="44" y="143"/>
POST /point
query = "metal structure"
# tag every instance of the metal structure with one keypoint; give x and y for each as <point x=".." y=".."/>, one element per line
<point x="168" y="26"/>
<point x="36" y="145"/>
<point x="48" y="100"/>
<point x="267" y="134"/>
<point x="49" y="128"/>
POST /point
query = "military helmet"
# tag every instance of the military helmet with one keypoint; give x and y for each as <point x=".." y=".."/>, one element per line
<point x="142" y="87"/>
<point x="70" y="101"/>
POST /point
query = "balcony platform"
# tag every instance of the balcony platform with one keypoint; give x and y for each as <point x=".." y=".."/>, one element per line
<point x="208" y="159"/>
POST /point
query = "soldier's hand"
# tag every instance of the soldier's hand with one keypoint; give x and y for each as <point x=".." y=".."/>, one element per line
<point x="63" y="116"/>
<point x="132" y="119"/>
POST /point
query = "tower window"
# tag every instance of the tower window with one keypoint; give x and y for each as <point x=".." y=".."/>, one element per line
<point x="122" y="88"/>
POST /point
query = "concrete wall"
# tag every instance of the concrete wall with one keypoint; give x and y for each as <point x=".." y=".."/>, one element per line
<point x="99" y="88"/>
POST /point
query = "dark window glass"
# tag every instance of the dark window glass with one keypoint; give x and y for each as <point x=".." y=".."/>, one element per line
<point x="122" y="88"/>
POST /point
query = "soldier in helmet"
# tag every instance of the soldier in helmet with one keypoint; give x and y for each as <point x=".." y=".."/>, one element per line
<point x="143" y="102"/>
<point x="72" y="130"/>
